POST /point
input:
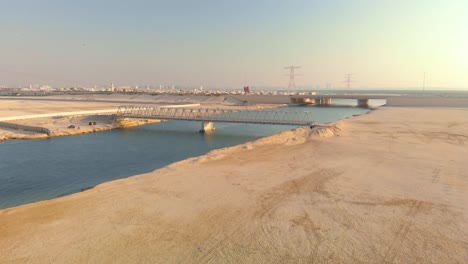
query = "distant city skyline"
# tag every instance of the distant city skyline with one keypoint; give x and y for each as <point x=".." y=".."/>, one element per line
<point x="383" y="44"/>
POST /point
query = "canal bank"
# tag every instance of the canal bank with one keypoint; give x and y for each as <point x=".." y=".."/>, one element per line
<point x="43" y="128"/>
<point x="37" y="170"/>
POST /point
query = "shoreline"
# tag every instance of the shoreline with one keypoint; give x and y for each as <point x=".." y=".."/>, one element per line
<point x="295" y="136"/>
<point x="78" y="129"/>
<point x="289" y="137"/>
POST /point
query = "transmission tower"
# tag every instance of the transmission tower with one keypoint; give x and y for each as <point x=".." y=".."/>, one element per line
<point x="292" y="83"/>
<point x="348" y="80"/>
<point x="424" y="82"/>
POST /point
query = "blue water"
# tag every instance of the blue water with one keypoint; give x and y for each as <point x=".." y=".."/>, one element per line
<point x="36" y="170"/>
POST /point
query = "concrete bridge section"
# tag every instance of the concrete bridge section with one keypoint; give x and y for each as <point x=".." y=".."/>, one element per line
<point x="391" y="100"/>
<point x="210" y="115"/>
<point x="324" y="99"/>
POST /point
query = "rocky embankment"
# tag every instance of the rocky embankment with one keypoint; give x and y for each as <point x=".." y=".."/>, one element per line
<point x="64" y="126"/>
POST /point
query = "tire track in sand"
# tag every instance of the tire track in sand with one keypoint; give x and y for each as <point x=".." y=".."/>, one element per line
<point x="271" y="224"/>
<point x="403" y="230"/>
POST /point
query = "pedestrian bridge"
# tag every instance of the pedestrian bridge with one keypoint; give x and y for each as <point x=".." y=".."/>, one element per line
<point x="210" y="115"/>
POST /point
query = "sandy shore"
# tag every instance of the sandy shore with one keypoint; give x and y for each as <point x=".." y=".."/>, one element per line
<point x="66" y="126"/>
<point x="386" y="187"/>
<point x="59" y="126"/>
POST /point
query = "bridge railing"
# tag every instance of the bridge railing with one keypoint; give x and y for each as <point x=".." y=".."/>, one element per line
<point x="220" y="115"/>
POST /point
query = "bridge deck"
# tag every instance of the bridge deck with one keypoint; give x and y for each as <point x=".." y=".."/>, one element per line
<point x="299" y="118"/>
<point x="344" y="96"/>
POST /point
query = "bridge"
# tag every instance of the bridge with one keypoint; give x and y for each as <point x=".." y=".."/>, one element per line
<point x="324" y="99"/>
<point x="210" y="115"/>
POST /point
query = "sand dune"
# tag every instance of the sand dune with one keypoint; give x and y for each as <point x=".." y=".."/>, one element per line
<point x="387" y="187"/>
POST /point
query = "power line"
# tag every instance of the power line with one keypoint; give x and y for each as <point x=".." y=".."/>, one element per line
<point x="348" y="80"/>
<point x="424" y="82"/>
<point x="292" y="82"/>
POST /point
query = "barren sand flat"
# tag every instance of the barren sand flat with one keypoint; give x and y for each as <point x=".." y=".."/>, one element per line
<point x="11" y="107"/>
<point x="29" y="107"/>
<point x="386" y="187"/>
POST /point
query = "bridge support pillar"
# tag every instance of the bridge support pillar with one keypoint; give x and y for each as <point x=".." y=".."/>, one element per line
<point x="303" y="100"/>
<point x="324" y="101"/>
<point x="363" y="102"/>
<point x="207" y="127"/>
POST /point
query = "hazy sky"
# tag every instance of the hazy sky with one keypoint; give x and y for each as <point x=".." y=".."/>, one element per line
<point x="384" y="43"/>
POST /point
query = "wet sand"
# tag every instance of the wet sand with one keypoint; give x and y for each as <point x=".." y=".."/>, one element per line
<point x="387" y="187"/>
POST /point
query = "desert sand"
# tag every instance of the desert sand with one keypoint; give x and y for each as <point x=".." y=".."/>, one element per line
<point x="10" y="107"/>
<point x="387" y="187"/>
